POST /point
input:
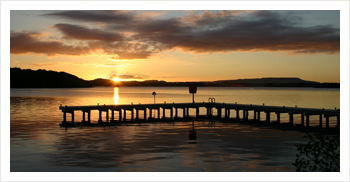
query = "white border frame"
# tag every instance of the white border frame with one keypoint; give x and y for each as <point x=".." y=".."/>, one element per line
<point x="6" y="6"/>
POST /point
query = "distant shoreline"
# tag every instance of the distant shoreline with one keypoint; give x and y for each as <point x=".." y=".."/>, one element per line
<point x="26" y="78"/>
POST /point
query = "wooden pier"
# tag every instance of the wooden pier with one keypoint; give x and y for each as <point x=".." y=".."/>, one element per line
<point x="304" y="113"/>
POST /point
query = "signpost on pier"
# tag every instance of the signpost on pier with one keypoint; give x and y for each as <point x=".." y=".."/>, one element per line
<point x="154" y="94"/>
<point x="193" y="90"/>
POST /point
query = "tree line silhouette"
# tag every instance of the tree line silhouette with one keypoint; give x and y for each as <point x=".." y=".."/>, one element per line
<point x="27" y="78"/>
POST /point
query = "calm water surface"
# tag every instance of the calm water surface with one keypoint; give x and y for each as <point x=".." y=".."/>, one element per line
<point x="39" y="144"/>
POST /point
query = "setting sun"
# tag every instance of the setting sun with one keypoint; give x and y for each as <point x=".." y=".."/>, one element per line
<point x="117" y="79"/>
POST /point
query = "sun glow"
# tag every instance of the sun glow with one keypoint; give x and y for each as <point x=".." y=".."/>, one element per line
<point x="117" y="79"/>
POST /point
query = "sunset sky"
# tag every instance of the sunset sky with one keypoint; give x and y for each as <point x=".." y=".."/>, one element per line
<point x="179" y="45"/>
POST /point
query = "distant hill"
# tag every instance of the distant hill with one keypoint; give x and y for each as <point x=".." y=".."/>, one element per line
<point x="26" y="78"/>
<point x="270" y="82"/>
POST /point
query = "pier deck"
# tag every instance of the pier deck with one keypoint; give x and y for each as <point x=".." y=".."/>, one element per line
<point x="227" y="107"/>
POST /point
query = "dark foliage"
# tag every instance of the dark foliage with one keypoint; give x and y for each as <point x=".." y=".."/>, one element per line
<point x="320" y="154"/>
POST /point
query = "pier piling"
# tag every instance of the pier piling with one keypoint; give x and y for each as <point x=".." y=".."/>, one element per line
<point x="305" y="112"/>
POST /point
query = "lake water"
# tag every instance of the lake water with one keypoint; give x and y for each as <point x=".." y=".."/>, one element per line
<point x="39" y="144"/>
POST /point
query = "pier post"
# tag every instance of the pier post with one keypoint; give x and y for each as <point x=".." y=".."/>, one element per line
<point x="124" y="117"/>
<point x="83" y="121"/>
<point x="120" y="115"/>
<point x="237" y="114"/>
<point x="107" y="112"/>
<point x="145" y="114"/>
<point x="327" y="122"/>
<point x="187" y="112"/>
<point x="321" y="121"/>
<point x="291" y="118"/>
<point x="64" y="117"/>
<point x="99" y="116"/>
<point x="307" y="120"/>
<point x="132" y="115"/>
<point x="163" y="113"/>
<point x="150" y="113"/>
<point x="158" y="112"/>
<point x="258" y="115"/>
<point x="184" y="112"/>
<point x="72" y="117"/>
<point x="278" y="118"/>
<point x="228" y="114"/>
<point x="137" y="114"/>
<point x="89" y="116"/>
<point x="175" y="112"/>
<point x="302" y="119"/>
<point x="254" y="115"/>
<point x="171" y="113"/>
<point x="112" y="118"/>
<point x="219" y="112"/>
<point x="197" y="112"/>
<point x="245" y="115"/>
<point x="267" y="116"/>
<point x="338" y="122"/>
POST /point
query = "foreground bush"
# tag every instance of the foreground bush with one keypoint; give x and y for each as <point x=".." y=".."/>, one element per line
<point x="320" y="154"/>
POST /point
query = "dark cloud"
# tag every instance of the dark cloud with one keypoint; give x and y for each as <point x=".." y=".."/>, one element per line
<point x="224" y="31"/>
<point x="95" y="16"/>
<point x="22" y="43"/>
<point x="82" y="33"/>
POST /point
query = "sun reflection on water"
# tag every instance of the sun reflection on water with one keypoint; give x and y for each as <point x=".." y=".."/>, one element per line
<point x="116" y="95"/>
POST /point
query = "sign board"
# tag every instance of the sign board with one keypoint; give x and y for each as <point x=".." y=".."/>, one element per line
<point x="193" y="88"/>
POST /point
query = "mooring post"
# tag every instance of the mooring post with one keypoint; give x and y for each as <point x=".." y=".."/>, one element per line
<point x="219" y="112"/>
<point x="291" y="119"/>
<point x="132" y="114"/>
<point x="112" y="119"/>
<point x="302" y="119"/>
<point x="64" y="117"/>
<point x="107" y="113"/>
<point x="171" y="113"/>
<point x="83" y="121"/>
<point x="99" y="116"/>
<point x="73" y="116"/>
<point x="137" y="114"/>
<point x="327" y="122"/>
<point x="120" y="115"/>
<point x="338" y="122"/>
<point x="89" y="116"/>
<point x="267" y="116"/>
<point x="158" y="112"/>
<point x="254" y="115"/>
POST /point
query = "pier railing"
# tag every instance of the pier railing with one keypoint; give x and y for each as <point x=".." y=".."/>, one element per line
<point x="227" y="107"/>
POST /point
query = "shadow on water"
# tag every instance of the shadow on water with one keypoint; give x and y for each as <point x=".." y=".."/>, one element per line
<point x="228" y="147"/>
